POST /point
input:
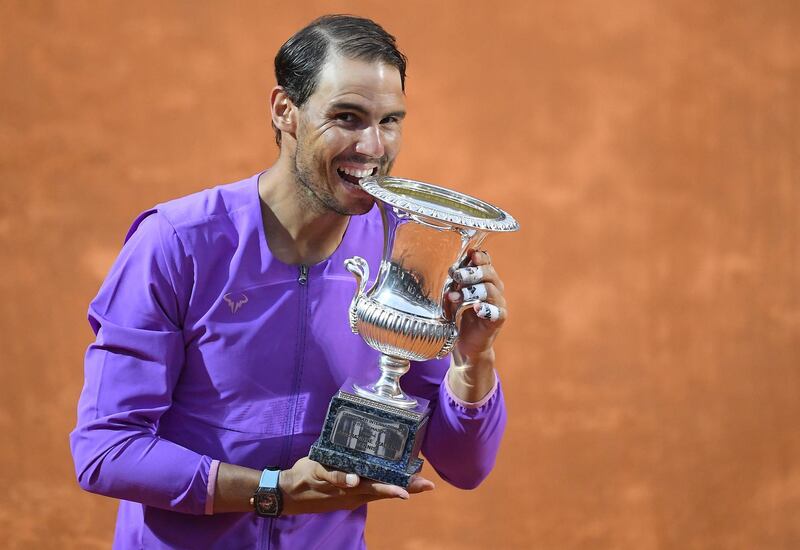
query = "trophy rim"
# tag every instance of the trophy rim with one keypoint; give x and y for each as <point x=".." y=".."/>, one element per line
<point x="492" y="218"/>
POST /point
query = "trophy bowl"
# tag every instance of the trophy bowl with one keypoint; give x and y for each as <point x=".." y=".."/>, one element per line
<point x="427" y="231"/>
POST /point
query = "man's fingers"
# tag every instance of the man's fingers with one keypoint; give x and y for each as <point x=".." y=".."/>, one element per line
<point x="384" y="490"/>
<point x="339" y="479"/>
<point x="479" y="257"/>
<point x="482" y="292"/>
<point x="344" y="480"/>
<point x="419" y="485"/>
<point x="486" y="311"/>
<point x="475" y="274"/>
<point x="475" y="292"/>
<point x="468" y="275"/>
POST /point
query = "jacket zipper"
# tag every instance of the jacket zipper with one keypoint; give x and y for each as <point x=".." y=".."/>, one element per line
<point x="302" y="280"/>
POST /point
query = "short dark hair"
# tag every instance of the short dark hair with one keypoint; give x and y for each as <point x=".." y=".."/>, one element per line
<point x="300" y="59"/>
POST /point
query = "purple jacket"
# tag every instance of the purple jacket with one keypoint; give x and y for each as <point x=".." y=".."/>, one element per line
<point x="209" y="348"/>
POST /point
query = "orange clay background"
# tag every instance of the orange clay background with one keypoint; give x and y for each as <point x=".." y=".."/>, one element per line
<point x="650" y="150"/>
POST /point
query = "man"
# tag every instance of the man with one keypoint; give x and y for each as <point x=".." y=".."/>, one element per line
<point x="222" y="332"/>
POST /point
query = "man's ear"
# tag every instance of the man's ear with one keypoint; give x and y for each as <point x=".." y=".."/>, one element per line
<point x="284" y="111"/>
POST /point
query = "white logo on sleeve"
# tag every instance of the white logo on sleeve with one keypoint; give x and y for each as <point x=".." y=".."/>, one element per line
<point x="235" y="301"/>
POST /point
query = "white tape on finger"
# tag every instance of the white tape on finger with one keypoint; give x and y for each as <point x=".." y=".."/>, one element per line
<point x="468" y="275"/>
<point x="475" y="292"/>
<point x="488" y="311"/>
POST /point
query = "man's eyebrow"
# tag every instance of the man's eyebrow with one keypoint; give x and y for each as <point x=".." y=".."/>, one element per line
<point x="396" y="114"/>
<point x="347" y="106"/>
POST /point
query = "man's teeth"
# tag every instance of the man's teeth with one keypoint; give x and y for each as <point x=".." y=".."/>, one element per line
<point x="357" y="173"/>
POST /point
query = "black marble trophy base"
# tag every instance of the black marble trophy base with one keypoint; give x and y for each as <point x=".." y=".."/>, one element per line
<point x="372" y="439"/>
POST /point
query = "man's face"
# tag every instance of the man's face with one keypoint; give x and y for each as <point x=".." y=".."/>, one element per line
<point x="348" y="129"/>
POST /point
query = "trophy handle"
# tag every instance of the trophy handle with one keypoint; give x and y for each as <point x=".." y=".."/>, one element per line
<point x="359" y="267"/>
<point x="462" y="308"/>
<point x="453" y="336"/>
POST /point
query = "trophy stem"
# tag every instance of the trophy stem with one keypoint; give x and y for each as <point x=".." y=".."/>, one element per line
<point x="387" y="388"/>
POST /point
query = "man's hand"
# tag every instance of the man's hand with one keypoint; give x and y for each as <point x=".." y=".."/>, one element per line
<point x="310" y="487"/>
<point x="471" y="376"/>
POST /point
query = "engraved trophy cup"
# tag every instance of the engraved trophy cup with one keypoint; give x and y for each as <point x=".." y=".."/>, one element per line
<point x="376" y="430"/>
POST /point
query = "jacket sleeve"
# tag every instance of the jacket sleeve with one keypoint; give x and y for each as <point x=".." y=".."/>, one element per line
<point x="130" y="372"/>
<point x="462" y="440"/>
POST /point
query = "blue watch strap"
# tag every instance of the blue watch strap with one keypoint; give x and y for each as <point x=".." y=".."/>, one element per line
<point x="269" y="478"/>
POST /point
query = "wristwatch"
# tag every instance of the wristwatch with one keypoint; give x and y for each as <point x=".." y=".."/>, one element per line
<point x="267" y="501"/>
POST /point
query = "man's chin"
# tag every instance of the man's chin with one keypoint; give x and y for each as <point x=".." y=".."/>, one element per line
<point x="361" y="208"/>
<point x="349" y="207"/>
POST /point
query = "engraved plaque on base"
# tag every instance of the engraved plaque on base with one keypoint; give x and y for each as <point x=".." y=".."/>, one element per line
<point x="372" y="439"/>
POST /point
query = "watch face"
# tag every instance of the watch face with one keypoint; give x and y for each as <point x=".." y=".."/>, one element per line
<point x="266" y="503"/>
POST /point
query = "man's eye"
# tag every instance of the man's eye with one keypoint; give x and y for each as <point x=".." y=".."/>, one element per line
<point x="390" y="120"/>
<point x="346" y="117"/>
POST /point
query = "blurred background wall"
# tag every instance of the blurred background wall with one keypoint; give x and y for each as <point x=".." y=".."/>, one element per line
<point x="651" y="151"/>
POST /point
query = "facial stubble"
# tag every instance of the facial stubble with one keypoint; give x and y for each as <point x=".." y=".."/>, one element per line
<point x="313" y="192"/>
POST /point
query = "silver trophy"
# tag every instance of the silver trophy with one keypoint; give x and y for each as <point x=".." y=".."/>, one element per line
<point x="376" y="430"/>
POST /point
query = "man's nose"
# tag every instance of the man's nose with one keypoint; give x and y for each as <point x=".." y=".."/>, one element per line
<point x="370" y="142"/>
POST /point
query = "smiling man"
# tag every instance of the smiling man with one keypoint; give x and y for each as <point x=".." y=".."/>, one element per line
<point x="222" y="330"/>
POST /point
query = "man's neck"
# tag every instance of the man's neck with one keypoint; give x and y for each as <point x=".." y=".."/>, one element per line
<point x="297" y="232"/>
